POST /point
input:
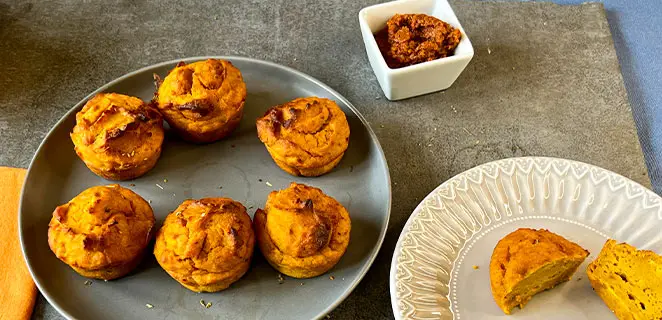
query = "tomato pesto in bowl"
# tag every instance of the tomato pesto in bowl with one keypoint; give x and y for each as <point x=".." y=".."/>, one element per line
<point x="414" y="46"/>
<point x="409" y="39"/>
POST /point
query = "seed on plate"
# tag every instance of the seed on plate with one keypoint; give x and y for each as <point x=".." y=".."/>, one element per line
<point x="149" y="306"/>
<point x="301" y="284"/>
<point x="160" y="187"/>
<point x="269" y="184"/>
<point x="88" y="282"/>
<point x="132" y="185"/>
<point x="149" y="201"/>
<point x="475" y="267"/>
<point x="259" y="180"/>
<point x="165" y="180"/>
<point x="208" y="305"/>
<point x="280" y="279"/>
<point x="202" y="303"/>
<point x="332" y="278"/>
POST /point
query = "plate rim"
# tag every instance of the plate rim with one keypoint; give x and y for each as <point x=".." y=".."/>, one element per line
<point x="373" y="254"/>
<point x="397" y="313"/>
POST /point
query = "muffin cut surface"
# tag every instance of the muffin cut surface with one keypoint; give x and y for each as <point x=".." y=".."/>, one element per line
<point x="628" y="280"/>
<point x="528" y="261"/>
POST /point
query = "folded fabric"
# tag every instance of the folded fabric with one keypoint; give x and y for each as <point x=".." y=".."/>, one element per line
<point x="17" y="290"/>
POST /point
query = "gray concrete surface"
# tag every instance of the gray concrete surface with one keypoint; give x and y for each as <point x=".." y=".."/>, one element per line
<point x="545" y="81"/>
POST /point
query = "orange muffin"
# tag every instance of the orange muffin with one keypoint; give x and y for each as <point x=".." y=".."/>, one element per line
<point x="118" y="137"/>
<point x="202" y="101"/>
<point x="306" y="136"/>
<point x="206" y="244"/>
<point x="628" y="280"/>
<point x="302" y="232"/>
<point x="102" y="232"/>
<point x="528" y="261"/>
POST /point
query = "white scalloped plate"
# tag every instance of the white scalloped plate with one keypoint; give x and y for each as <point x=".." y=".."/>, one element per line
<point x="457" y="225"/>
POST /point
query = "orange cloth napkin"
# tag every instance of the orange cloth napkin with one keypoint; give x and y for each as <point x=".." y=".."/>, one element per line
<point x="17" y="291"/>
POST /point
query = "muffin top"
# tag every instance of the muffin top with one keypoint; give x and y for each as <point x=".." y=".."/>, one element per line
<point x="116" y="132"/>
<point x="526" y="250"/>
<point x="101" y="227"/>
<point x="210" y="235"/>
<point x="306" y="132"/>
<point x="201" y="96"/>
<point x="302" y="221"/>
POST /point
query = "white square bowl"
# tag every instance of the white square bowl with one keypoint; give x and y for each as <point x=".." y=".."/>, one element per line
<point x="422" y="78"/>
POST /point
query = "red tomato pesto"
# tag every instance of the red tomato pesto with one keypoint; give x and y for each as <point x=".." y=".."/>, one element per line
<point x="409" y="39"/>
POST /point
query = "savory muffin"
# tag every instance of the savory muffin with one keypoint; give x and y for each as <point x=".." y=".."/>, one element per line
<point x="528" y="261"/>
<point x="628" y="280"/>
<point x="202" y="101"/>
<point x="118" y="137"/>
<point x="206" y="244"/>
<point x="102" y="232"/>
<point x="302" y="232"/>
<point x="306" y="136"/>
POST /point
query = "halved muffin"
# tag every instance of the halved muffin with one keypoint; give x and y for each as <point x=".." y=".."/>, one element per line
<point x="202" y="101"/>
<point x="628" y="280"/>
<point x="206" y="244"/>
<point x="102" y="232"/>
<point x="528" y="261"/>
<point x="118" y="137"/>
<point x="306" y="136"/>
<point x="302" y="232"/>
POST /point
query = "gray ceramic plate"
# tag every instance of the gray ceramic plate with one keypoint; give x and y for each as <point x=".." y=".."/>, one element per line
<point x="240" y="165"/>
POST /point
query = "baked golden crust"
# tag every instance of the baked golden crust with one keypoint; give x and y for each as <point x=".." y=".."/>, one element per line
<point x="528" y="261"/>
<point x="102" y="232"/>
<point x="306" y="136"/>
<point x="206" y="244"/>
<point x="118" y="137"/>
<point x="628" y="280"/>
<point x="302" y="232"/>
<point x="202" y="101"/>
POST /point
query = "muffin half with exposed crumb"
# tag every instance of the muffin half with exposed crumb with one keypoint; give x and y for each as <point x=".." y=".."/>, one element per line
<point x="102" y="232"/>
<point x="118" y="137"/>
<point x="202" y="101"/>
<point x="628" y="280"/>
<point x="306" y="136"/>
<point x="207" y="244"/>
<point x="302" y="232"/>
<point x="528" y="261"/>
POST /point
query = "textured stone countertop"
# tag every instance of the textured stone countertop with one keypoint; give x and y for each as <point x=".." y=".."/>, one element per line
<point x="545" y="81"/>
